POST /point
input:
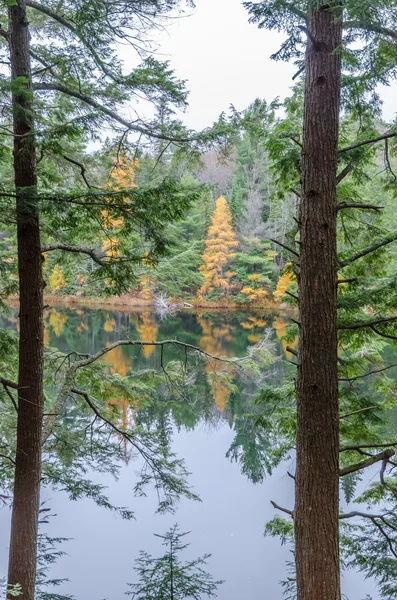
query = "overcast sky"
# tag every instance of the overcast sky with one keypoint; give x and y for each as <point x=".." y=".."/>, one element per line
<point x="227" y="61"/>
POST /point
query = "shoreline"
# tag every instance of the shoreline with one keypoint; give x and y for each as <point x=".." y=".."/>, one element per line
<point x="133" y="304"/>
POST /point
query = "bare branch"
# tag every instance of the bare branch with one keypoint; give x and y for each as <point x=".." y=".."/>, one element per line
<point x="284" y="510"/>
<point x="83" y="170"/>
<point x="367" y="463"/>
<point x="10" y="384"/>
<point x="285" y="247"/>
<point x="342" y="281"/>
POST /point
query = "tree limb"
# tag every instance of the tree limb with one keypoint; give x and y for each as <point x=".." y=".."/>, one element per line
<point x="345" y="172"/>
<point x="285" y="247"/>
<point x="343" y="205"/>
<point x="10" y="384"/>
<point x="76" y="249"/>
<point x="384" y="242"/>
<point x="83" y="170"/>
<point x="363" y="324"/>
<point x="380" y="138"/>
<point x="56" y="87"/>
<point x="284" y="510"/>
<point x="367" y="463"/>
<point x="370" y="27"/>
<point x="357" y="412"/>
<point x="367" y="446"/>
<point x="368" y="374"/>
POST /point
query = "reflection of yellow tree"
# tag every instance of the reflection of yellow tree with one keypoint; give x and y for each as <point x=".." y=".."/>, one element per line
<point x="109" y="325"/>
<point x="118" y="361"/>
<point x="57" y="321"/>
<point x="147" y="329"/>
<point x="219" y="374"/>
<point x="281" y="328"/>
<point x="252" y="323"/>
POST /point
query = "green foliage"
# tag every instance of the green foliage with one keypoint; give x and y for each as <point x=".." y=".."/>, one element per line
<point x="169" y="577"/>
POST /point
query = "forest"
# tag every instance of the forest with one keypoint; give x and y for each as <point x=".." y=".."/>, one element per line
<point x="198" y="327"/>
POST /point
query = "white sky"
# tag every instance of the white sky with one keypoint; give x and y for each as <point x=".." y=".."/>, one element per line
<point x="225" y="60"/>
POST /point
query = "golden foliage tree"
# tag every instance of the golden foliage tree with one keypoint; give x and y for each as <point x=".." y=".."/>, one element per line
<point x="220" y="247"/>
<point x="286" y="279"/>
<point x="56" y="281"/>
<point x="122" y="176"/>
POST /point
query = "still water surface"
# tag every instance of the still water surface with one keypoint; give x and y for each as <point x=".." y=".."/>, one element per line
<point x="229" y="521"/>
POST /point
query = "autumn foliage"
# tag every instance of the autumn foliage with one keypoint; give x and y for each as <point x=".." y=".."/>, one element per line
<point x="220" y="247"/>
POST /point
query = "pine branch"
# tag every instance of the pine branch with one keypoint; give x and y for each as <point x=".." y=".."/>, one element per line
<point x="83" y="170"/>
<point x="357" y="412"/>
<point x="367" y="463"/>
<point x="369" y="373"/>
<point x="85" y="99"/>
<point x="6" y="383"/>
<point x="68" y="25"/>
<point x="367" y="447"/>
<point x="345" y="172"/>
<point x="364" y="324"/>
<point x="386" y="136"/>
<point x="343" y="205"/>
<point x="78" y="250"/>
<point x="384" y="242"/>
<point x="385" y="335"/>
<point x="373" y="27"/>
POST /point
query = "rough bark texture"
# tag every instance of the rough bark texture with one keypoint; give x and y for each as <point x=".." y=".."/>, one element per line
<point x="24" y="524"/>
<point x="317" y="476"/>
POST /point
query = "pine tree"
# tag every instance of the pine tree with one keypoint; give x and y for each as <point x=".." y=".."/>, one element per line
<point x="168" y="578"/>
<point x="316" y="513"/>
<point x="220" y="247"/>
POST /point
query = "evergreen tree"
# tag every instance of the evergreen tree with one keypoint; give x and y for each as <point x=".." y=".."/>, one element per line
<point x="316" y="513"/>
<point x="168" y="578"/>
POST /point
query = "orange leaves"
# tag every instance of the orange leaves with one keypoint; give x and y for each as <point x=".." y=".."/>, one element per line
<point x="220" y="247"/>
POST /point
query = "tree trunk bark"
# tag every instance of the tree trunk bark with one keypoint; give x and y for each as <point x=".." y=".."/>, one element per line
<point x="317" y="478"/>
<point x="25" y="511"/>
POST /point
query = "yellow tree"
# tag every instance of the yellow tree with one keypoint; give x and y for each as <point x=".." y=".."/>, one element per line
<point x="220" y="247"/>
<point x="122" y="176"/>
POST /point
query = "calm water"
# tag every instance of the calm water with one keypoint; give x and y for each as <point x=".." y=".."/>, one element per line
<point x="229" y="522"/>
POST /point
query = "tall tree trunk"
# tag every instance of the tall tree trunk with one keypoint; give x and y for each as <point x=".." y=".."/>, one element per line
<point x="25" y="511"/>
<point x="317" y="479"/>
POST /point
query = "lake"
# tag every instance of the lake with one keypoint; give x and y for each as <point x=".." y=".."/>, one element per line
<point x="229" y="521"/>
